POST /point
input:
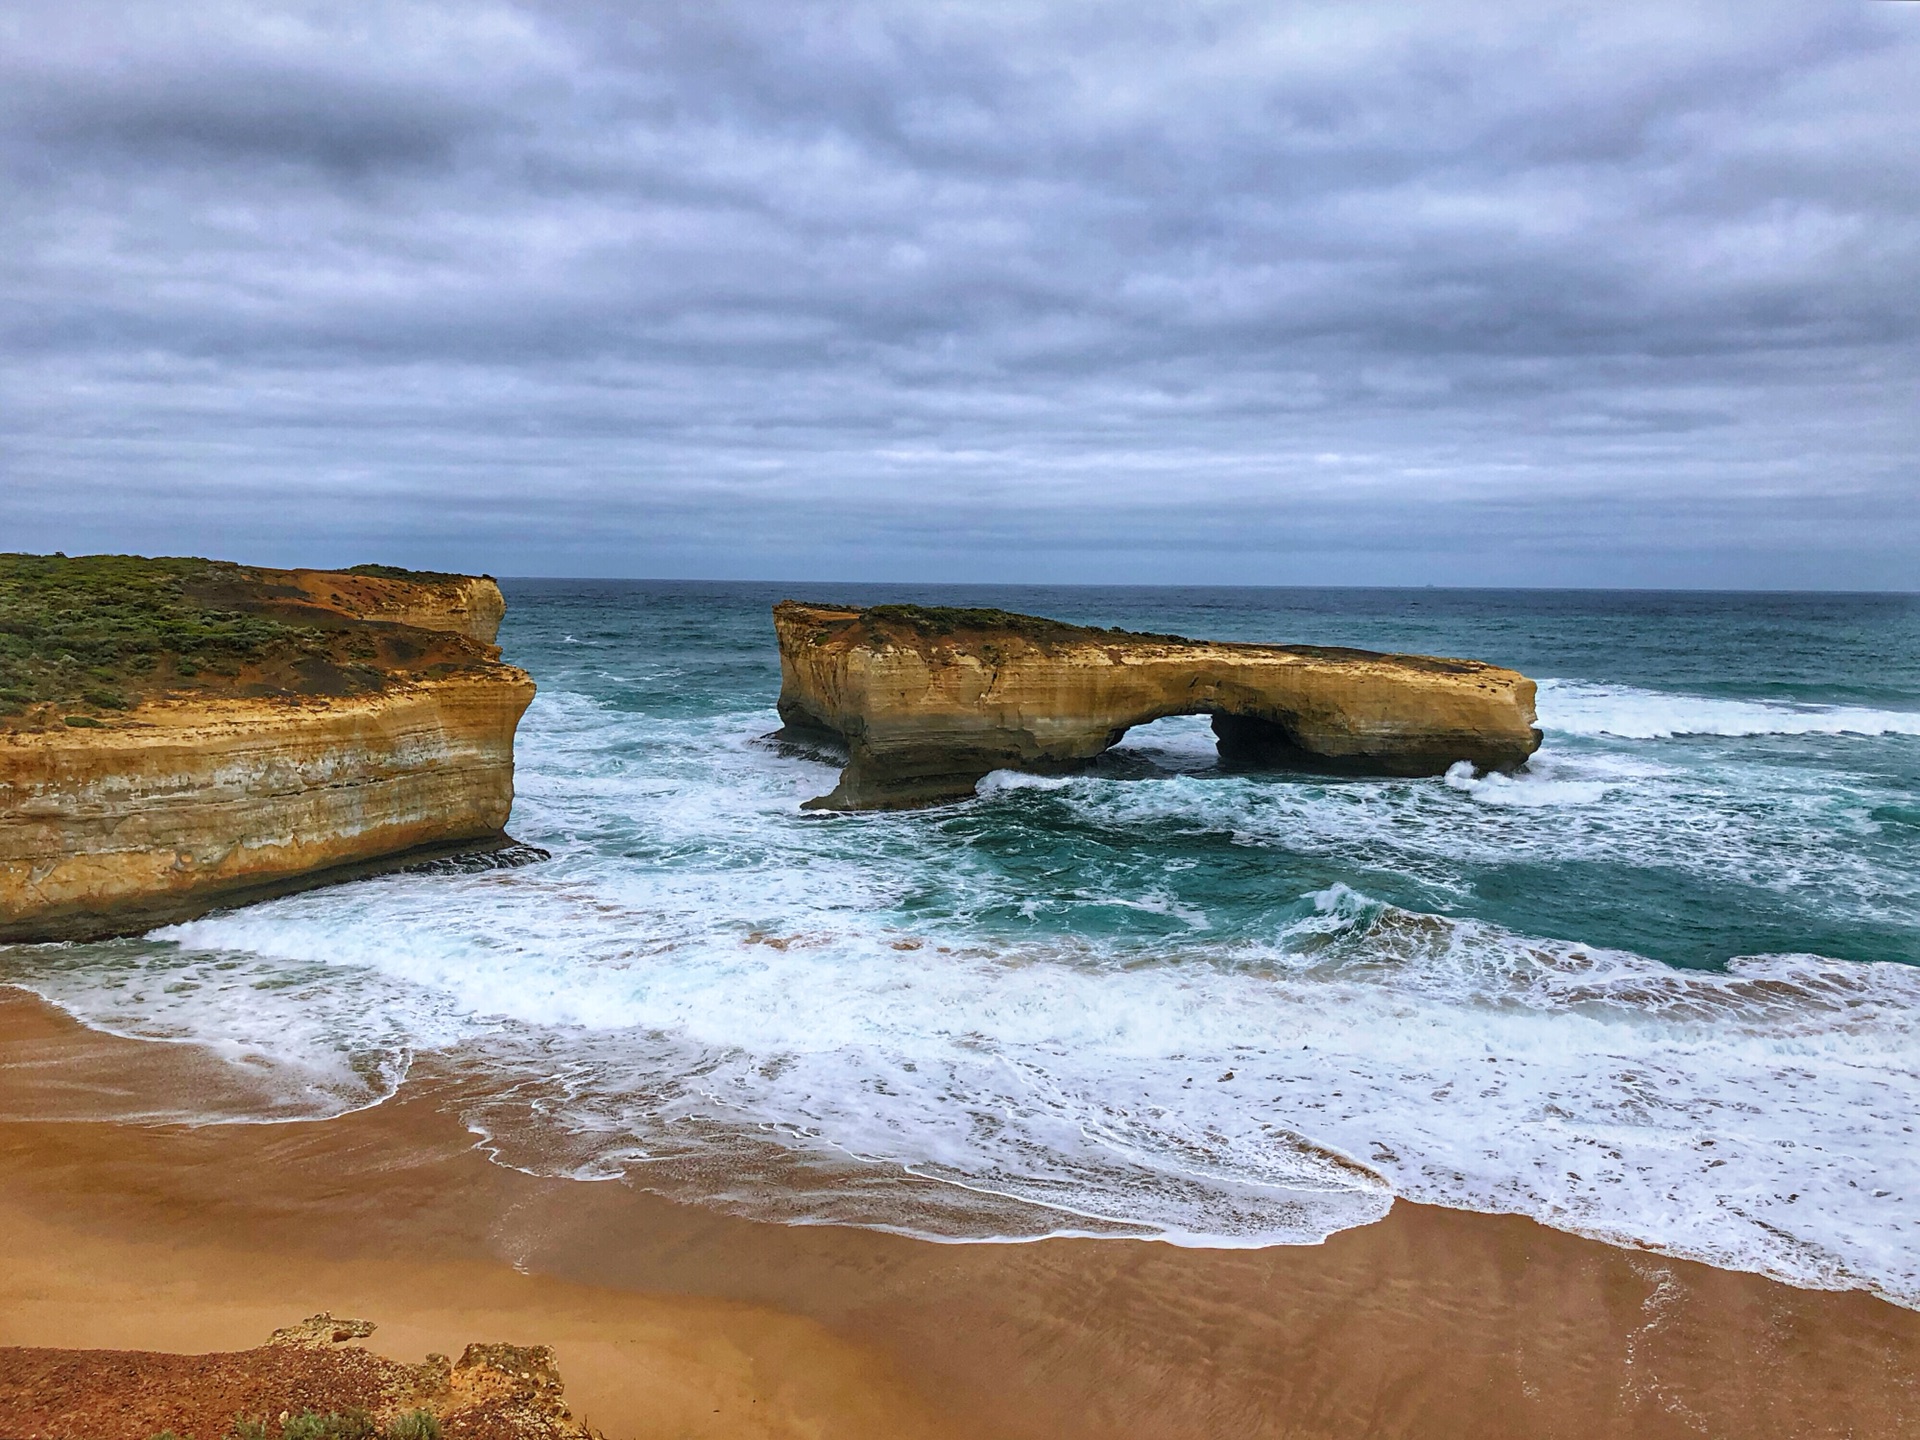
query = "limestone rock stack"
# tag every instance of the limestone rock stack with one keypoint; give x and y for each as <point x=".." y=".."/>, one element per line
<point x="927" y="701"/>
<point x="351" y="722"/>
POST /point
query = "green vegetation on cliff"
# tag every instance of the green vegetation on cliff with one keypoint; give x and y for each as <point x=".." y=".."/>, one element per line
<point x="92" y="635"/>
<point x="87" y="630"/>
<point x="940" y="620"/>
<point x="413" y="577"/>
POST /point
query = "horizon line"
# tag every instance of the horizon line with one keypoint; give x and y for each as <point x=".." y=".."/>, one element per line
<point x="1182" y="585"/>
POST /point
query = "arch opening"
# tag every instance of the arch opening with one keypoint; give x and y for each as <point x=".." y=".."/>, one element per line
<point x="1206" y="738"/>
<point x="1168" y="744"/>
<point x="1253" y="743"/>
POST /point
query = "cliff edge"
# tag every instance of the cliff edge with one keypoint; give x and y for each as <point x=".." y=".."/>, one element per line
<point x="177" y="735"/>
<point x="927" y="701"/>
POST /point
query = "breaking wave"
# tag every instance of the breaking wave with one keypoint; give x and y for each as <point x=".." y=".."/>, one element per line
<point x="1575" y="707"/>
<point x="1155" y="1000"/>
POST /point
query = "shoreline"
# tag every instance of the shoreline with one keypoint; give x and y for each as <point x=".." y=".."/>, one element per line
<point x="669" y="1319"/>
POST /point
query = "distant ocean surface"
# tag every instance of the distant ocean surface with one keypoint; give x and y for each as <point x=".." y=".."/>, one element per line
<point x="1661" y="988"/>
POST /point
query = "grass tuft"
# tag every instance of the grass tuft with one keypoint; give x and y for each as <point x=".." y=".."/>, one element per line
<point x="354" y="1424"/>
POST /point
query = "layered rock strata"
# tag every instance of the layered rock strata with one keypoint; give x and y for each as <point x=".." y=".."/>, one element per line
<point x="339" y="746"/>
<point x="928" y="701"/>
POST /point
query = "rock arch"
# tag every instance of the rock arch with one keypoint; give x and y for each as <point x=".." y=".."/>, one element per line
<point x="927" y="701"/>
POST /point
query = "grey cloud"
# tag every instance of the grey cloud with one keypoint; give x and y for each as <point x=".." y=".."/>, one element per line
<point x="862" y="289"/>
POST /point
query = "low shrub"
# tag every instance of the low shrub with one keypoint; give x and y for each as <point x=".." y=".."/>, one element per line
<point x="354" y="1424"/>
<point x="414" y="1425"/>
<point x="397" y="572"/>
<point x="81" y="628"/>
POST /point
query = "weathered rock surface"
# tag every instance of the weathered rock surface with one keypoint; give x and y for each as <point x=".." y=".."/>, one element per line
<point x="469" y="605"/>
<point x="193" y="805"/>
<point x="492" y="1392"/>
<point x="929" y="701"/>
<point x="373" y="746"/>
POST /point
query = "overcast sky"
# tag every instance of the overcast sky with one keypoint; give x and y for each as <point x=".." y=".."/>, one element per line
<point x="1438" y="293"/>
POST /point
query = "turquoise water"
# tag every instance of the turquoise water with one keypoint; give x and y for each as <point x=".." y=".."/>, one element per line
<point x="1782" y="832"/>
<point x="1662" y="987"/>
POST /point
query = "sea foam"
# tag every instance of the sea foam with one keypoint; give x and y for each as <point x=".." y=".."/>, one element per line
<point x="1250" y="1093"/>
<point x="1575" y="707"/>
<point x="932" y="1023"/>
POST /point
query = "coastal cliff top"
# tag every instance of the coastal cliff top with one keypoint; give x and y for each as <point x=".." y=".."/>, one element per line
<point x="940" y="627"/>
<point x="84" y="639"/>
<point x="313" y="1381"/>
<point x="925" y="622"/>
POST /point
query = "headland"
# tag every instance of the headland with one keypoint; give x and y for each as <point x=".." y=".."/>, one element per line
<point x="178" y="734"/>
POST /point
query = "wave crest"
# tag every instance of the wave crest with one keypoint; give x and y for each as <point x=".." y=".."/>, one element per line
<point x="1578" y="707"/>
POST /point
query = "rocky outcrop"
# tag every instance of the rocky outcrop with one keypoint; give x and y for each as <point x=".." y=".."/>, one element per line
<point x="190" y="805"/>
<point x="469" y="605"/>
<point x="311" y="1379"/>
<point x="928" y="701"/>
<point x="339" y="746"/>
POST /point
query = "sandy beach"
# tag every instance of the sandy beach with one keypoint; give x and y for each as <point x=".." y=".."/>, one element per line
<point x="670" y="1320"/>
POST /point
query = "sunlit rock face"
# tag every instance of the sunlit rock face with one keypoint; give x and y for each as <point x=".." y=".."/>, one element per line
<point x="928" y="701"/>
<point x="270" y="774"/>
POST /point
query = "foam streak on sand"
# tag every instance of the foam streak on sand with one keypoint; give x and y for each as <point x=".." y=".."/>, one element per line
<point x="1759" y="1118"/>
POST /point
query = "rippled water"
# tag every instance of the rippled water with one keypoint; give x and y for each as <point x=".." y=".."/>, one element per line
<point x="1663" y="986"/>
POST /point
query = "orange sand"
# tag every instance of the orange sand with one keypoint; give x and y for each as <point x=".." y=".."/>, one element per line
<point x="674" y="1321"/>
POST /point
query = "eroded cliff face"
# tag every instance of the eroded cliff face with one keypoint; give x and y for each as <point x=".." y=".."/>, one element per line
<point x="469" y="605"/>
<point x="929" y="701"/>
<point x="192" y="805"/>
<point x="359" y="744"/>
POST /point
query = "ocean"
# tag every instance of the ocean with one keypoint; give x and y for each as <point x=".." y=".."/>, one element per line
<point x="1661" y="988"/>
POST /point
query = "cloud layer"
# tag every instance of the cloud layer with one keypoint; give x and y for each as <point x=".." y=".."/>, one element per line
<point x="1244" y="293"/>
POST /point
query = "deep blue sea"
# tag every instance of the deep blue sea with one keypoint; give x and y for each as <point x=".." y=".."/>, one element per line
<point x="1662" y="987"/>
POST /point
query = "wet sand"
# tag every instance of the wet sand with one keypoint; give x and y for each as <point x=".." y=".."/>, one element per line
<point x="673" y="1320"/>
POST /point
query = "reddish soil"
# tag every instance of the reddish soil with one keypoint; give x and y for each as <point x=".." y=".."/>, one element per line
<point x="493" y="1393"/>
